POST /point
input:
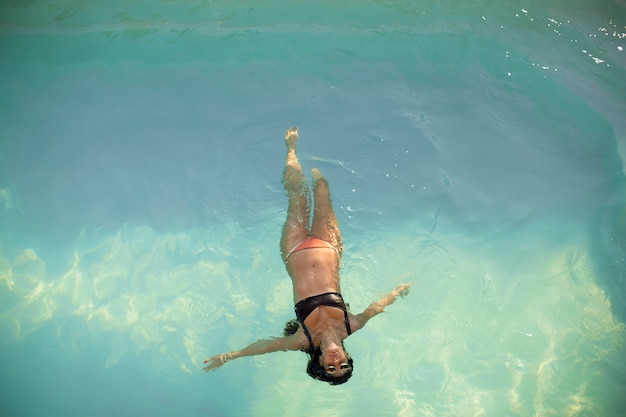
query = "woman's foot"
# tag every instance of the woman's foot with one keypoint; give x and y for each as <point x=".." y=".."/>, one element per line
<point x="316" y="174"/>
<point x="291" y="136"/>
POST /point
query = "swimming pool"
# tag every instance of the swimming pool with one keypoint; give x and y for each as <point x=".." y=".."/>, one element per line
<point x="475" y="150"/>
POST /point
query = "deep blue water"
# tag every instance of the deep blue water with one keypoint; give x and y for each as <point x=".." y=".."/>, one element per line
<point x="474" y="149"/>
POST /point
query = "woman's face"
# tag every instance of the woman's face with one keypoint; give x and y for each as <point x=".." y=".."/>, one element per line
<point x="335" y="360"/>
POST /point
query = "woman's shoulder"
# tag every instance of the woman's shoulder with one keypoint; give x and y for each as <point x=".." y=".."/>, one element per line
<point x="356" y="321"/>
<point x="296" y="341"/>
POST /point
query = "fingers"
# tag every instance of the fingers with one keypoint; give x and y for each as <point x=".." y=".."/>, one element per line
<point x="403" y="289"/>
<point x="211" y="364"/>
<point x="210" y="367"/>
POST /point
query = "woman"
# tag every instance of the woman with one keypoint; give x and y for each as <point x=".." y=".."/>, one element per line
<point x="311" y="254"/>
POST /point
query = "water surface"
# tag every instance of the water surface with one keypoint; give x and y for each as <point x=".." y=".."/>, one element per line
<point x="475" y="150"/>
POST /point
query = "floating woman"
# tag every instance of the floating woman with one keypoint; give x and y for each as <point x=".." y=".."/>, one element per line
<point x="312" y="252"/>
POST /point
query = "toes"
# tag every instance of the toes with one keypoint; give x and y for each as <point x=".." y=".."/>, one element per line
<point x="292" y="132"/>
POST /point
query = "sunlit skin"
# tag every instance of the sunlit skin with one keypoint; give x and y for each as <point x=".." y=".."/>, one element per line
<point x="313" y="271"/>
<point x="333" y="355"/>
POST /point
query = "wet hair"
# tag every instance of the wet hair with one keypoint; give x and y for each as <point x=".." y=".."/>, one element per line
<point x="313" y="368"/>
<point x="291" y="327"/>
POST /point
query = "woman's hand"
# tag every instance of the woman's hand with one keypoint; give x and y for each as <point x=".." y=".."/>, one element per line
<point x="216" y="361"/>
<point x="402" y="290"/>
<point x="386" y="300"/>
<point x="378" y="307"/>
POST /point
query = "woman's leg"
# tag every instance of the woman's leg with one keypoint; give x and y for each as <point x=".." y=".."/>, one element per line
<point x="296" y="226"/>
<point x="324" y="221"/>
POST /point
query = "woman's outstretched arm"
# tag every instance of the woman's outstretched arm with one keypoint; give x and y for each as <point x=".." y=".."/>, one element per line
<point x="293" y="342"/>
<point x="378" y="306"/>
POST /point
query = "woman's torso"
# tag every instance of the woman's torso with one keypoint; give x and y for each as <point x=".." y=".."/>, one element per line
<point x="313" y="271"/>
<point x="321" y="314"/>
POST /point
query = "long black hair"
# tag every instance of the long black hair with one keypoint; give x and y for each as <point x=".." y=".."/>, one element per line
<point x="313" y="367"/>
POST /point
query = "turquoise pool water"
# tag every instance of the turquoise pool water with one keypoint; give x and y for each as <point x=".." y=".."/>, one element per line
<point x="474" y="149"/>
